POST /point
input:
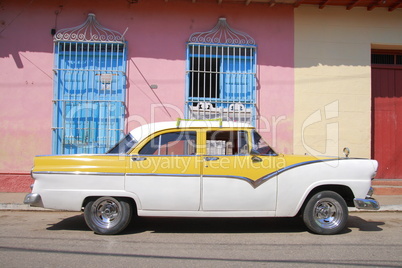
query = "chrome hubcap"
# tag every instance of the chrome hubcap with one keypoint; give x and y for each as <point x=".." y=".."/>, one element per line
<point x="328" y="213"/>
<point x="106" y="212"/>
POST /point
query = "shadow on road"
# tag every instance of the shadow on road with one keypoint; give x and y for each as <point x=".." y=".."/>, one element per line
<point x="214" y="225"/>
<point x="75" y="223"/>
<point x="363" y="225"/>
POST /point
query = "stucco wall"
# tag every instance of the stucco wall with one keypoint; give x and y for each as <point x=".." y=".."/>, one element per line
<point x="333" y="76"/>
<point x="157" y="34"/>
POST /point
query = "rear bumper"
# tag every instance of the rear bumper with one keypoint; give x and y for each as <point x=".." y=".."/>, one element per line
<point x="368" y="203"/>
<point x="34" y="200"/>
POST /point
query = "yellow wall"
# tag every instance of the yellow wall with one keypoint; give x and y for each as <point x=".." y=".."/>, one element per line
<point x="333" y="76"/>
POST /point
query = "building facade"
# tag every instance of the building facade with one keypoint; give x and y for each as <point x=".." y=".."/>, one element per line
<point x="77" y="75"/>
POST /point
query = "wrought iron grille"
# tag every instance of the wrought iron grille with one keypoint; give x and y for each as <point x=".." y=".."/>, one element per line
<point x="386" y="58"/>
<point x="90" y="85"/>
<point x="221" y="76"/>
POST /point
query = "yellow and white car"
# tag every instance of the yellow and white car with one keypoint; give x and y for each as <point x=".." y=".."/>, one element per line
<point x="201" y="169"/>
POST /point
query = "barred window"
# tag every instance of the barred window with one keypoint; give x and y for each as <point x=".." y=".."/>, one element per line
<point x="221" y="76"/>
<point x="386" y="57"/>
<point x="89" y="90"/>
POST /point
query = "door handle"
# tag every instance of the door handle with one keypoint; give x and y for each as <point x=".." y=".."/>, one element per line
<point x="135" y="158"/>
<point x="211" y="158"/>
<point x="256" y="159"/>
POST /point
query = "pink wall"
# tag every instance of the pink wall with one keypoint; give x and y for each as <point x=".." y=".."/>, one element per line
<point x="157" y="35"/>
<point x="25" y="85"/>
<point x="272" y="29"/>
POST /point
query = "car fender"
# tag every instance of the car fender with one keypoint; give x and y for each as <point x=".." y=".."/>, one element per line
<point x="295" y="184"/>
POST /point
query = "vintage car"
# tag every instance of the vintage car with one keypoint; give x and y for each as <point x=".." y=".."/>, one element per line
<point x="201" y="169"/>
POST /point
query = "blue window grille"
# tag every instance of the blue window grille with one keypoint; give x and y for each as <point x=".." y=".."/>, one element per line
<point x="221" y="77"/>
<point x="89" y="95"/>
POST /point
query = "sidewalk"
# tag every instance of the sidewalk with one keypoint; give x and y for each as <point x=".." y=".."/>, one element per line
<point x="15" y="201"/>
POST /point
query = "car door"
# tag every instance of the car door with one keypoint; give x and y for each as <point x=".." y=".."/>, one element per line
<point x="165" y="172"/>
<point x="232" y="178"/>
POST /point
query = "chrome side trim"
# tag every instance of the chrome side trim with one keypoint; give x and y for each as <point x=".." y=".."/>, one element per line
<point x="250" y="181"/>
<point x="79" y="173"/>
<point x="306" y="163"/>
<point x="78" y="155"/>
<point x="253" y="183"/>
<point x="313" y="162"/>
<point x="163" y="174"/>
<point x="265" y="178"/>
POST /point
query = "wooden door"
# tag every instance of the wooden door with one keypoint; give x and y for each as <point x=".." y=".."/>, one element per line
<point x="387" y="120"/>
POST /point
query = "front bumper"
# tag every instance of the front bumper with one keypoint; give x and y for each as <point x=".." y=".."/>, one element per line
<point x="33" y="200"/>
<point x="368" y="203"/>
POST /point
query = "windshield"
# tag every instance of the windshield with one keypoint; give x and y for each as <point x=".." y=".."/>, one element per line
<point x="260" y="146"/>
<point x="124" y="146"/>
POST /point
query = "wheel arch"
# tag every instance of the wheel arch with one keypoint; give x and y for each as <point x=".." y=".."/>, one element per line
<point x="344" y="191"/>
<point x="127" y="199"/>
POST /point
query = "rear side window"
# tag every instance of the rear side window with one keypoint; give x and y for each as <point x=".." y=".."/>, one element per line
<point x="174" y="143"/>
<point x="227" y="143"/>
<point x="124" y="146"/>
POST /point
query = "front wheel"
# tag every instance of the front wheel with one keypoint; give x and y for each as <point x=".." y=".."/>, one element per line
<point x="108" y="215"/>
<point x="325" y="213"/>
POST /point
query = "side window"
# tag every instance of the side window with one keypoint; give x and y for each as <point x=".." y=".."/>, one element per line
<point x="227" y="143"/>
<point x="260" y="146"/>
<point x="174" y="143"/>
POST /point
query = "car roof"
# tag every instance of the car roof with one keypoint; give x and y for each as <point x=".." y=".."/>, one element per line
<point x="144" y="131"/>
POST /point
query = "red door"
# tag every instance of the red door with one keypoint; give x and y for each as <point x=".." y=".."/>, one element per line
<point x="387" y="121"/>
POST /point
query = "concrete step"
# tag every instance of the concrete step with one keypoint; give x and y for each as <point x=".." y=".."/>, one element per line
<point x="387" y="186"/>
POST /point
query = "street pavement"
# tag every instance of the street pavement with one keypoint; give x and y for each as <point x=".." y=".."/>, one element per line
<point x="63" y="240"/>
<point x="15" y="201"/>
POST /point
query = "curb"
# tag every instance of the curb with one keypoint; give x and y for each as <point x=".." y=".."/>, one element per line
<point x="385" y="208"/>
<point x="23" y="207"/>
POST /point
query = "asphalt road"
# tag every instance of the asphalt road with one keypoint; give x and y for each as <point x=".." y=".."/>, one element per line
<point x="62" y="239"/>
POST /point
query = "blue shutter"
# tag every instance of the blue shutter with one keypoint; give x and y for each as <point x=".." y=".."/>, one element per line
<point x="237" y="80"/>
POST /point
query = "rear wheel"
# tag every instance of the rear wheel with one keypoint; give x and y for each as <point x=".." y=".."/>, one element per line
<point x="325" y="213"/>
<point x="108" y="215"/>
